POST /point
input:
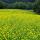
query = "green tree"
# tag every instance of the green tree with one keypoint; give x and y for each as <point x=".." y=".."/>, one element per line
<point x="36" y="7"/>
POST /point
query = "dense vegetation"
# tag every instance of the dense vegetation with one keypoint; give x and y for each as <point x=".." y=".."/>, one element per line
<point x="21" y="4"/>
<point x="19" y="25"/>
<point x="12" y="1"/>
<point x="36" y="7"/>
<point x="18" y="5"/>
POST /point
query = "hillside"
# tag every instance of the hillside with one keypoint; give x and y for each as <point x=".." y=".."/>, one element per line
<point x="19" y="25"/>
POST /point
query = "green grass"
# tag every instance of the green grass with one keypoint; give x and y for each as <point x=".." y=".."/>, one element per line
<point x="19" y="25"/>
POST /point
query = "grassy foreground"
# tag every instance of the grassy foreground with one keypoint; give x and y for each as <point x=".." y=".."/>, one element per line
<point x="19" y="25"/>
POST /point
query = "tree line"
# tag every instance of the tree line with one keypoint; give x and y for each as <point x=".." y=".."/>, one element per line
<point x="34" y="5"/>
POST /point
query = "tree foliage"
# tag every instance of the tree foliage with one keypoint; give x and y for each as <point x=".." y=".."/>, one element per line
<point x="36" y="7"/>
<point x="21" y="4"/>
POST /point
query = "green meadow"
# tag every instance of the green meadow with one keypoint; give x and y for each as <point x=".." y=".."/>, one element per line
<point x="18" y="24"/>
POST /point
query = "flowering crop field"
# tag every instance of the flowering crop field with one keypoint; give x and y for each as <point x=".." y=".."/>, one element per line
<point x="19" y="25"/>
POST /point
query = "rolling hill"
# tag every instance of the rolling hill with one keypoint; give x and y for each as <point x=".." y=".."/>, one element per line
<point x="19" y="25"/>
